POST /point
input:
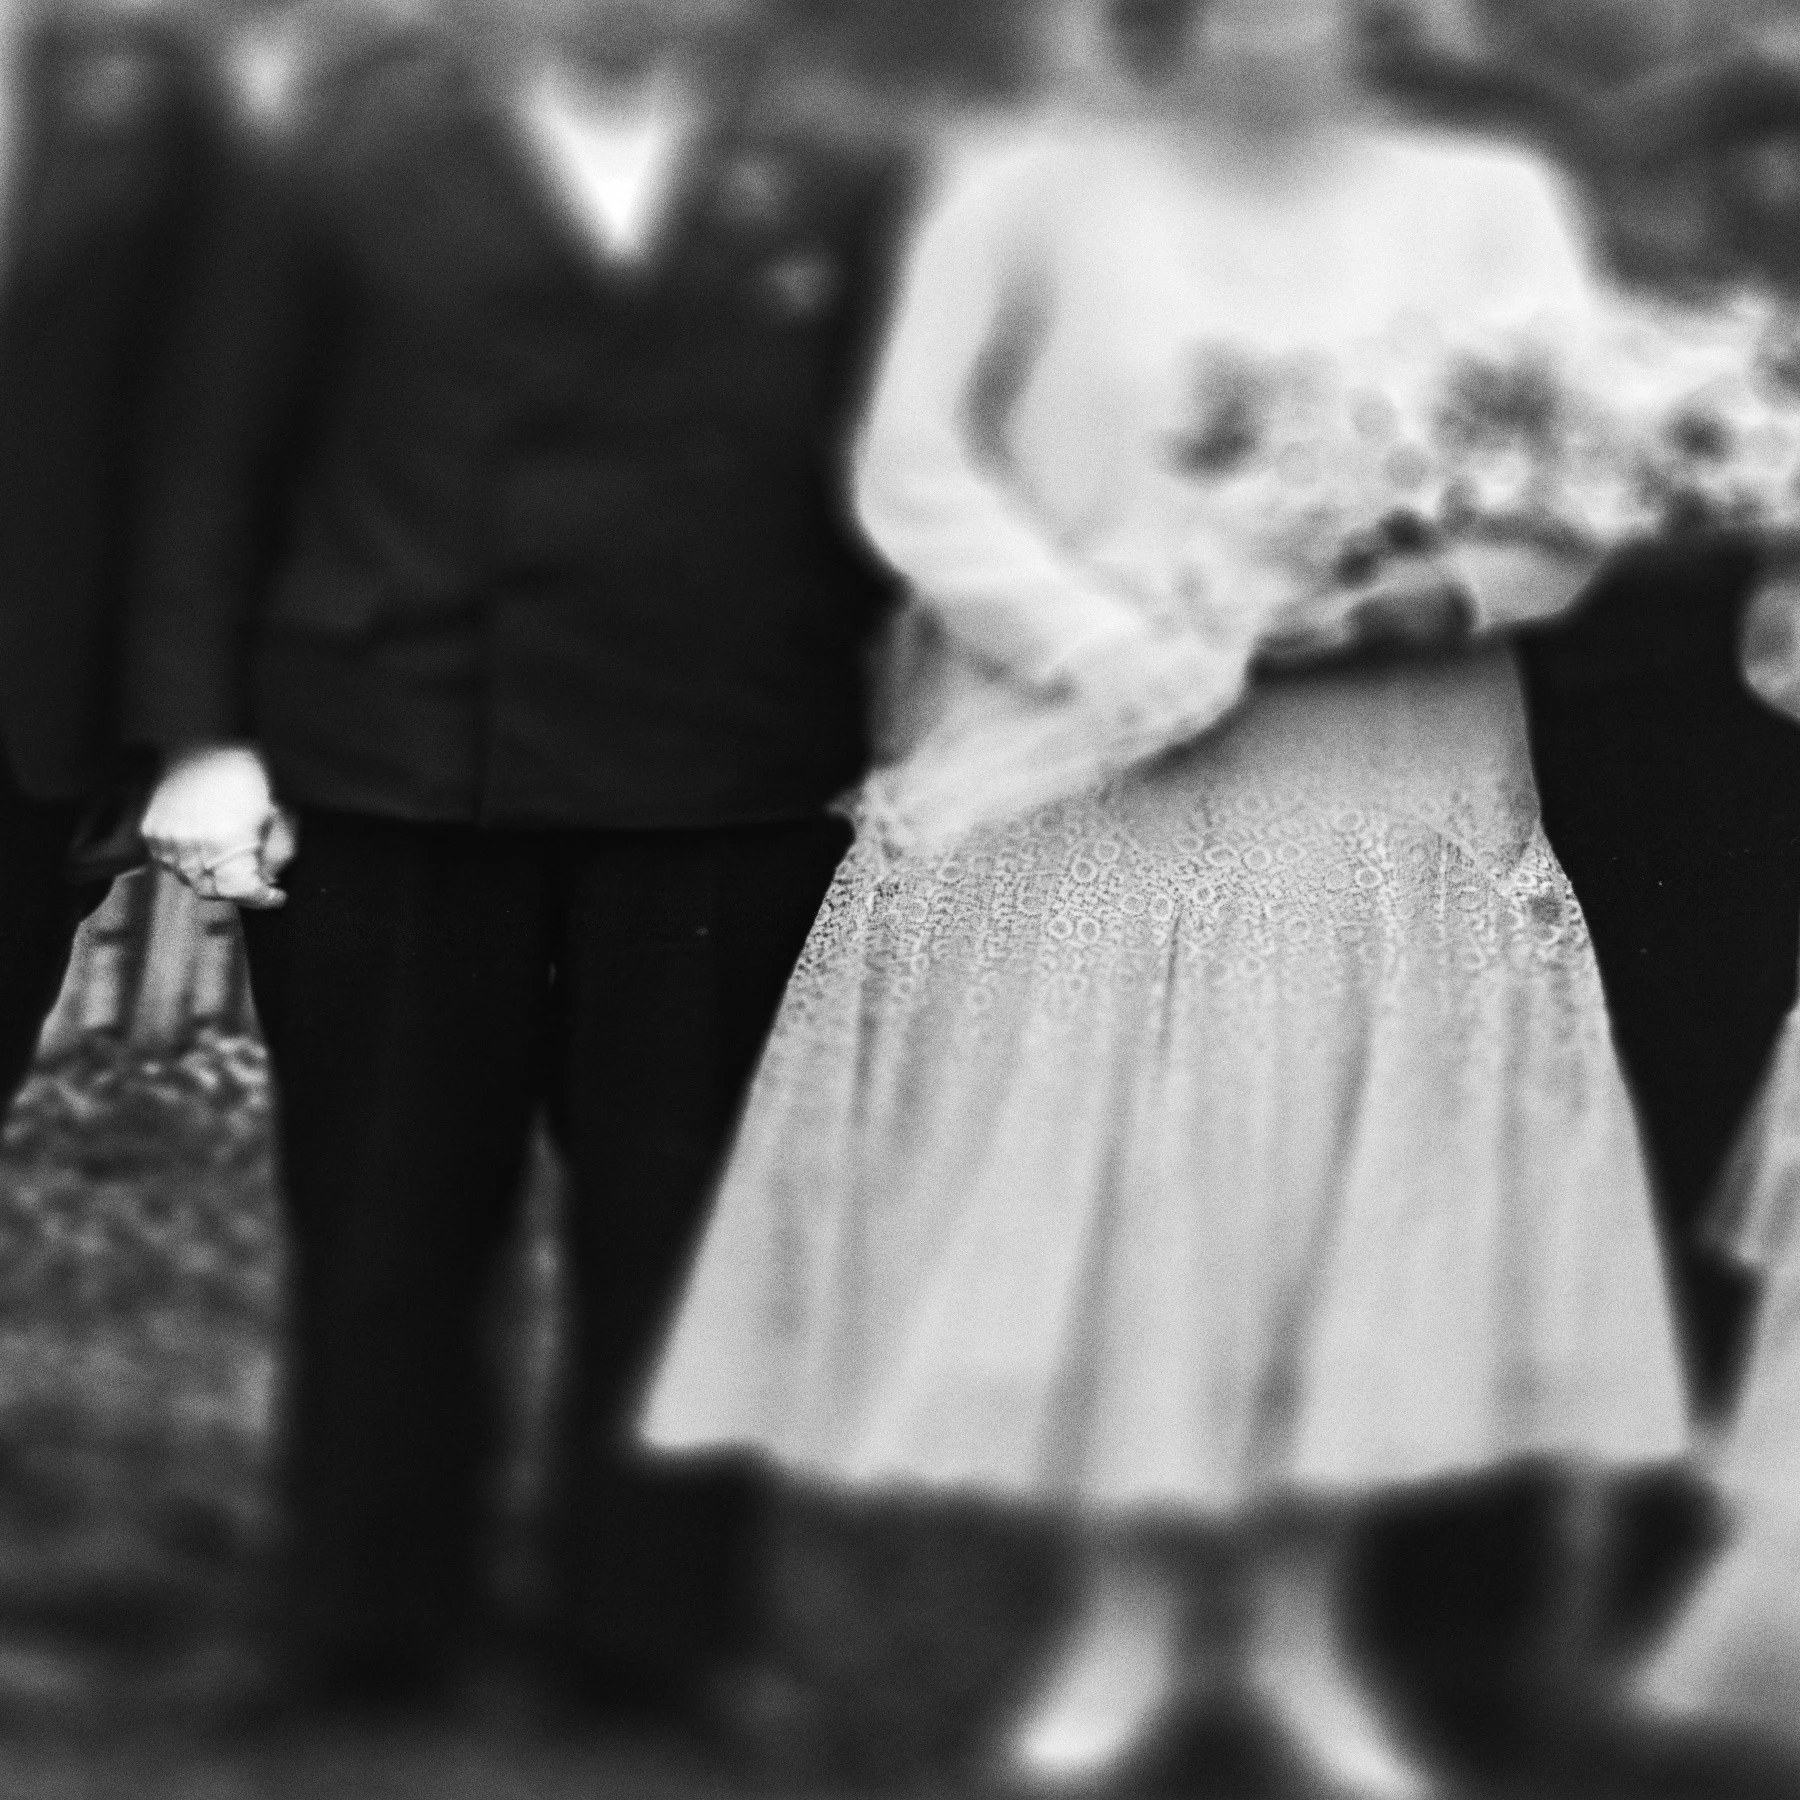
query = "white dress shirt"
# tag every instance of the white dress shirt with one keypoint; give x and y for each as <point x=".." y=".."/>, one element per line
<point x="612" y="159"/>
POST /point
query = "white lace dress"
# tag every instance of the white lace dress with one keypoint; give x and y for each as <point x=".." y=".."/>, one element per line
<point x="1250" y="1122"/>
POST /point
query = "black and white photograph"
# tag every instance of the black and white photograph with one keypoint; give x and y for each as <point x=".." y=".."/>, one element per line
<point x="899" y="898"/>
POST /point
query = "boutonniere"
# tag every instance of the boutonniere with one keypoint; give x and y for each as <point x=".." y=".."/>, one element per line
<point x="803" y="284"/>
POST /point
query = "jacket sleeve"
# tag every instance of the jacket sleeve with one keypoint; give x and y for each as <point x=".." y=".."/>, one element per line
<point x="228" y="414"/>
<point x="942" y="509"/>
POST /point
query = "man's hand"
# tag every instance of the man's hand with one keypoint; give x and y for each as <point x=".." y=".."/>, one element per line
<point x="213" y="821"/>
<point x="1771" y="644"/>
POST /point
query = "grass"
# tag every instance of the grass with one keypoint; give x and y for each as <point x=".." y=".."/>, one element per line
<point x="140" y="1308"/>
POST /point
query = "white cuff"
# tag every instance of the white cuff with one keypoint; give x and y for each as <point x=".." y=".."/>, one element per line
<point x="1074" y="648"/>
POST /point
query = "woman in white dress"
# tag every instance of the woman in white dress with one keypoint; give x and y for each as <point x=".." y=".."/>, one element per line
<point x="1237" y="1142"/>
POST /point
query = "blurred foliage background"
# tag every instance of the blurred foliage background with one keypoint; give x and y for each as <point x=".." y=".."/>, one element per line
<point x="1719" y="212"/>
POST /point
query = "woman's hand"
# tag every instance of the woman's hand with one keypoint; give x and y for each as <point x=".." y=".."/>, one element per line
<point x="1414" y="603"/>
<point x="1426" y="607"/>
<point x="1424" y="602"/>
<point x="214" y="822"/>
<point x="1517" y="584"/>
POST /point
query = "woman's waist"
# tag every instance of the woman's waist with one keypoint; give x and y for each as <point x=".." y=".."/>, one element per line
<point x="926" y="681"/>
<point x="1454" y="704"/>
<point x="1434" y="738"/>
<point x="1480" y="679"/>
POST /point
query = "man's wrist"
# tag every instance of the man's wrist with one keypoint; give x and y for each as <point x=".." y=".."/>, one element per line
<point x="242" y="759"/>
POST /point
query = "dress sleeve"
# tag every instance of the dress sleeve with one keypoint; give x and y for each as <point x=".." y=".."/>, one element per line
<point x="933" y="499"/>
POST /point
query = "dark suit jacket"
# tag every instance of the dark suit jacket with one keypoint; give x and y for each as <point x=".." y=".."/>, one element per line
<point x="112" y="159"/>
<point x="464" y="526"/>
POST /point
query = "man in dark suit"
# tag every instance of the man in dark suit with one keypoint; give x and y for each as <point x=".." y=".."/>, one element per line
<point x="102" y="148"/>
<point x="499" y="548"/>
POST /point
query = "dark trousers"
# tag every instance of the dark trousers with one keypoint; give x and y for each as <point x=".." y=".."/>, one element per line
<point x="425" y="991"/>
<point x="39" y="915"/>
<point x="1672" y="797"/>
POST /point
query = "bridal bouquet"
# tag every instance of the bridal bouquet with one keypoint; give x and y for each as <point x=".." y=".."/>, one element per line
<point x="1305" y="476"/>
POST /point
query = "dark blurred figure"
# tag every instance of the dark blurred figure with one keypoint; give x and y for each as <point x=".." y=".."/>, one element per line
<point x="102" y="155"/>
<point x="1674" y="800"/>
<point x="499" y="535"/>
<point x="1551" y="111"/>
<point x="1671" y="793"/>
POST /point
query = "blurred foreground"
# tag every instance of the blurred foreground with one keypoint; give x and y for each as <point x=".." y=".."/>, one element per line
<point x="140" y="1313"/>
